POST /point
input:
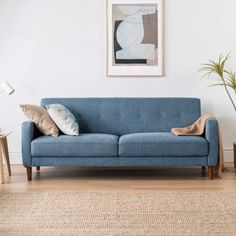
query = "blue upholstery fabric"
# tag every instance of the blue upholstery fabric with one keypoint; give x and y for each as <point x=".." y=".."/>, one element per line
<point x="162" y="145"/>
<point x="130" y="115"/>
<point x="120" y="161"/>
<point x="212" y="136"/>
<point x="90" y="145"/>
<point x="163" y="161"/>
<point x="29" y="132"/>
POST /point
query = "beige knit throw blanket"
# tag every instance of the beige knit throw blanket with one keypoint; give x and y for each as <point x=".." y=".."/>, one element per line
<point x="197" y="129"/>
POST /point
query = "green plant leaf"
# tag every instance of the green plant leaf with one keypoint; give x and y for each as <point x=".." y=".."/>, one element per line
<point x="226" y="79"/>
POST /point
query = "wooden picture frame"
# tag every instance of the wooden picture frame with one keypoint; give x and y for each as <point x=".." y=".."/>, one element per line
<point x="135" y="41"/>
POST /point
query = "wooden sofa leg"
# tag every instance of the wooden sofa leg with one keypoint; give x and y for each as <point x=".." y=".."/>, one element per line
<point x="29" y="173"/>
<point x="210" y="172"/>
<point x="38" y="168"/>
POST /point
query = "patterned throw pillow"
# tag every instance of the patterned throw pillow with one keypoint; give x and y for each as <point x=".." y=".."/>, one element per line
<point x="64" y="119"/>
<point x="41" y="119"/>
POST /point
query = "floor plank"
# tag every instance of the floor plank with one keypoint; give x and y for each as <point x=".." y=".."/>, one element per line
<point x="115" y="179"/>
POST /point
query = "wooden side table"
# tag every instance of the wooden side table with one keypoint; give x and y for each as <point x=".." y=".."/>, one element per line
<point x="4" y="155"/>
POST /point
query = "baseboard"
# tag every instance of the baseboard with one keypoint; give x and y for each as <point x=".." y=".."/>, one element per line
<point x="15" y="157"/>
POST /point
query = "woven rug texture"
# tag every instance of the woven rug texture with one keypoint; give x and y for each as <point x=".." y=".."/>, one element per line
<point x="118" y="213"/>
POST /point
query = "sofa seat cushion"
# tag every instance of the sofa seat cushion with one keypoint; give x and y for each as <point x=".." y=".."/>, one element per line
<point x="162" y="145"/>
<point x="84" y="145"/>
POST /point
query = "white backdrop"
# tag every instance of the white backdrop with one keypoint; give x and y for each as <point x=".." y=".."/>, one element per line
<point x="51" y="48"/>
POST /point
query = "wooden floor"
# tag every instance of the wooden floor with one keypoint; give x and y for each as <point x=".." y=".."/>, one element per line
<point x="112" y="179"/>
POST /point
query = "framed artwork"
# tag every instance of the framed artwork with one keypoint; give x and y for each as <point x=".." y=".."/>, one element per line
<point x="135" y="38"/>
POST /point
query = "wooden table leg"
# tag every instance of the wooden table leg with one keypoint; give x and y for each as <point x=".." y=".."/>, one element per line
<point x="1" y="167"/>
<point x="6" y="155"/>
<point x="235" y="155"/>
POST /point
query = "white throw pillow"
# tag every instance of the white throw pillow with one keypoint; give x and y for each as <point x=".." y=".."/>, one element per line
<point x="63" y="118"/>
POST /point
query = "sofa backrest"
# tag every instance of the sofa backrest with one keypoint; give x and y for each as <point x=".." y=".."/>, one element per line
<point x="130" y="115"/>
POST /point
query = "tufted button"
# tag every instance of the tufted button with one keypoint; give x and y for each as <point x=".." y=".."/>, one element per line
<point x="160" y="115"/>
<point x="99" y="116"/>
<point x="179" y="115"/>
<point x="139" y="116"/>
<point x="119" y="116"/>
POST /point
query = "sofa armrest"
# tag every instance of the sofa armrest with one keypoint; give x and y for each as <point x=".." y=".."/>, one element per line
<point x="212" y="136"/>
<point x="29" y="133"/>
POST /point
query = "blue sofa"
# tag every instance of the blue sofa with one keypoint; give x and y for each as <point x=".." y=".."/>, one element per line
<point x="125" y="132"/>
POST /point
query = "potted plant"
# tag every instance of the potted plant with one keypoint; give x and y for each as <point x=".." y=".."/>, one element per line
<point x="225" y="79"/>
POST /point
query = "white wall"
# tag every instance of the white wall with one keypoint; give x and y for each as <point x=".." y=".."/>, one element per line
<point x="51" y="48"/>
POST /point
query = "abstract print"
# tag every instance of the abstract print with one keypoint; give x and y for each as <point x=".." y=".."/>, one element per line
<point x="135" y="34"/>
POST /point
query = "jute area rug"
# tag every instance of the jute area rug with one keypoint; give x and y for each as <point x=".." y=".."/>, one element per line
<point x="117" y="213"/>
